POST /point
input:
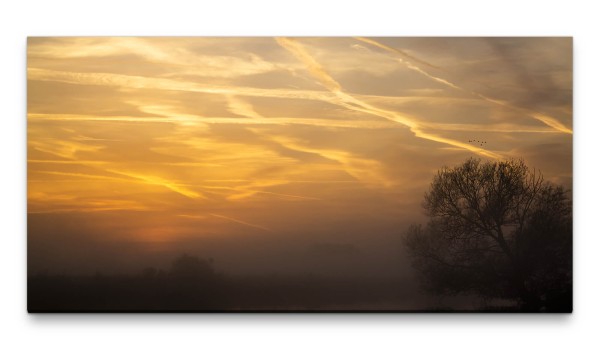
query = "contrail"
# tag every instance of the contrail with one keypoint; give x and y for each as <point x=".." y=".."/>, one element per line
<point x="498" y="128"/>
<point x="156" y="83"/>
<point x="76" y="174"/>
<point x="159" y="181"/>
<point x="364" y="170"/>
<point x="192" y="216"/>
<point x="350" y="102"/>
<point x="245" y="192"/>
<point x="194" y="120"/>
<point x="395" y="50"/>
<point x="131" y="177"/>
<point x="313" y="66"/>
<point x="549" y="121"/>
<point x="242" y="108"/>
<point x="301" y="197"/>
<point x="240" y="221"/>
<point x="105" y="79"/>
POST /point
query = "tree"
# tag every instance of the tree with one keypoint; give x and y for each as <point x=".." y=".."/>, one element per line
<point x="190" y="268"/>
<point x="497" y="230"/>
<point x="193" y="284"/>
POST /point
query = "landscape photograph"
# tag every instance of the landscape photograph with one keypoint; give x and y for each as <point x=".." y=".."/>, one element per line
<point x="299" y="174"/>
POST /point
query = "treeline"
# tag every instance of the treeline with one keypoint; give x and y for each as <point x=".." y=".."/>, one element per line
<point x="192" y="284"/>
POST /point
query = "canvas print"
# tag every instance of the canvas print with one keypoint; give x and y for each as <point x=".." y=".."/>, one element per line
<point x="299" y="174"/>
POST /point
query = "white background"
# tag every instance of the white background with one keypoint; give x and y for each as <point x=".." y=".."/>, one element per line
<point x="19" y="19"/>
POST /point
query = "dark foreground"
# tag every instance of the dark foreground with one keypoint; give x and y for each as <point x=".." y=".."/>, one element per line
<point x="161" y="293"/>
<point x="193" y="285"/>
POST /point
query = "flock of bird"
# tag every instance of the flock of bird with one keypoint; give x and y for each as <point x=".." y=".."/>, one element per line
<point x="481" y="143"/>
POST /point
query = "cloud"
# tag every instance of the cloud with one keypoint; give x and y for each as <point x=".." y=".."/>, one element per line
<point x="353" y="103"/>
<point x="169" y="53"/>
<point x="162" y="182"/>
<point x="256" y="226"/>
<point x="311" y="64"/>
<point x="548" y="120"/>
<point x="366" y="171"/>
<point x="242" y="108"/>
<point x="196" y="120"/>
<point x="397" y="51"/>
<point x="156" y="83"/>
<point x="167" y="145"/>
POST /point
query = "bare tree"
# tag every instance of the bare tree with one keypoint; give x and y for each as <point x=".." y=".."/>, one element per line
<point x="498" y="230"/>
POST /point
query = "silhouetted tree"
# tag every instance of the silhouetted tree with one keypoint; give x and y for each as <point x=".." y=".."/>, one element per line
<point x="194" y="284"/>
<point x="496" y="229"/>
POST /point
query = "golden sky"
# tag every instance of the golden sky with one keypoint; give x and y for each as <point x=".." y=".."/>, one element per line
<point x="254" y="149"/>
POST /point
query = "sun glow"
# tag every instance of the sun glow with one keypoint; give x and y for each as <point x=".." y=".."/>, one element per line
<point x="172" y="138"/>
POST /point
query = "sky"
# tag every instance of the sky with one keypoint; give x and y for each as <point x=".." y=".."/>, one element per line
<point x="272" y="155"/>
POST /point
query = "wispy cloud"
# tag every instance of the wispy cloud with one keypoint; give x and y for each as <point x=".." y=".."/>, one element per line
<point x="235" y="220"/>
<point x="162" y="182"/>
<point x="311" y="64"/>
<point x="548" y="120"/>
<point x="165" y="52"/>
<point x="396" y="51"/>
<point x="157" y="83"/>
<point x="351" y="102"/>
<point x="242" y="108"/>
<point x="196" y="120"/>
<point x="248" y="150"/>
